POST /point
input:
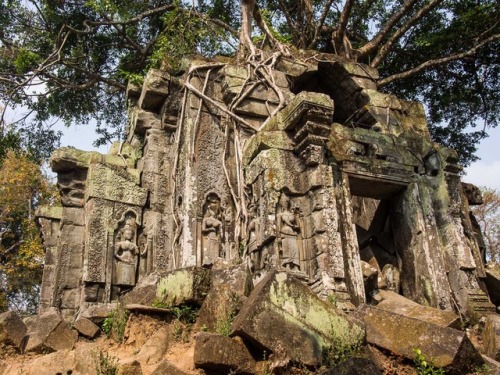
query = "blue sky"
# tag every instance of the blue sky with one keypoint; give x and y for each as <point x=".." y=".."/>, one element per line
<point x="485" y="172"/>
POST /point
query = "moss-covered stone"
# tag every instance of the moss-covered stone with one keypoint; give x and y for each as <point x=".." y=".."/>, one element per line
<point x="285" y="317"/>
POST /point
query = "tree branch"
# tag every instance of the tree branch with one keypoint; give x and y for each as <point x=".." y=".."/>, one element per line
<point x="320" y="24"/>
<point x="385" y="29"/>
<point x="339" y="33"/>
<point x="436" y="62"/>
<point x="386" y="48"/>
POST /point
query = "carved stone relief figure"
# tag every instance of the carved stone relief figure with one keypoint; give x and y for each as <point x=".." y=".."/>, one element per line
<point x="254" y="250"/>
<point x="126" y="254"/>
<point x="288" y="229"/>
<point x="211" y="229"/>
<point x="146" y="254"/>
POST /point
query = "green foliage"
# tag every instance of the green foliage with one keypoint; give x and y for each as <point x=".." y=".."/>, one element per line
<point x="185" y="314"/>
<point x="425" y="367"/>
<point x="114" y="325"/>
<point x="22" y="188"/>
<point x="223" y="325"/>
<point x="85" y="62"/>
<point x="483" y="369"/>
<point x="105" y="364"/>
<point x="341" y="349"/>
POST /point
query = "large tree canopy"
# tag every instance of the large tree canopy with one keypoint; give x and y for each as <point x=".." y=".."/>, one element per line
<point x="72" y="59"/>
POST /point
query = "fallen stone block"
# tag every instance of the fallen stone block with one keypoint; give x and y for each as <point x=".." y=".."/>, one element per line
<point x="12" y="330"/>
<point x="492" y="366"/>
<point x="4" y="367"/>
<point x="230" y="288"/>
<point x="493" y="283"/>
<point x="166" y="368"/>
<point x="87" y="356"/>
<point x="49" y="333"/>
<point x="222" y="354"/>
<point x="97" y="313"/>
<point x="285" y="317"/>
<point x="129" y="367"/>
<point x="445" y="347"/>
<point x="61" y="362"/>
<point x="396" y="303"/>
<point x="354" y="366"/>
<point x="491" y="337"/>
<point x="186" y="285"/>
<point x="86" y="328"/>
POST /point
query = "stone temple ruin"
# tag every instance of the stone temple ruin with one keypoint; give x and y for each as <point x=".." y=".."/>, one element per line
<point x="304" y="167"/>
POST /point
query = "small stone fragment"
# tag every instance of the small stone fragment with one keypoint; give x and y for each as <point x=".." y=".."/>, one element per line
<point x="222" y="354"/>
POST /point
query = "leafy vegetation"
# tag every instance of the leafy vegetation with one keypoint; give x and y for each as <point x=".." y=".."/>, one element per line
<point x="114" y="325"/>
<point x="22" y="188"/>
<point x="105" y="364"/>
<point x="341" y="348"/>
<point x="425" y="367"/>
<point x="82" y="53"/>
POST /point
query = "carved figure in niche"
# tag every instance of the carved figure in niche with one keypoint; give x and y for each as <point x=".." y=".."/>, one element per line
<point x="253" y="240"/>
<point x="126" y="254"/>
<point x="146" y="254"/>
<point x="211" y="229"/>
<point x="288" y="230"/>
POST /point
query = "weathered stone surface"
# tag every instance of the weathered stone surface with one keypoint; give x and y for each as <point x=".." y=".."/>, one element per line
<point x="492" y="365"/>
<point x="61" y="362"/>
<point x="398" y="304"/>
<point x="354" y="366"/>
<point x="50" y="212"/>
<point x="144" y="293"/>
<point x="491" y="337"/>
<point x="115" y="185"/>
<point x="86" y="358"/>
<point x="155" y="348"/>
<point x="219" y="308"/>
<point x="97" y="313"/>
<point x="493" y="283"/>
<point x="187" y="285"/>
<point x="86" y="327"/>
<point x="154" y="90"/>
<point x="183" y="169"/>
<point x="448" y="348"/>
<point x="166" y="368"/>
<point x="12" y="330"/>
<point x="4" y="367"/>
<point x="285" y="317"/>
<point x="231" y="285"/>
<point x="222" y="354"/>
<point x="266" y="140"/>
<point x="129" y="367"/>
<point x="49" y="332"/>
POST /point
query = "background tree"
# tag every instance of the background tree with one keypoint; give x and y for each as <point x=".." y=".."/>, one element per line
<point x="81" y="53"/>
<point x="22" y="189"/>
<point x="488" y="218"/>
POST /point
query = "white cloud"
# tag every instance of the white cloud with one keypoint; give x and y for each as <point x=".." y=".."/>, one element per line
<point x="483" y="173"/>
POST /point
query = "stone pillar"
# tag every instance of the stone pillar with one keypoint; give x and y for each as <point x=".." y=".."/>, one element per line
<point x="423" y="273"/>
<point x="49" y="219"/>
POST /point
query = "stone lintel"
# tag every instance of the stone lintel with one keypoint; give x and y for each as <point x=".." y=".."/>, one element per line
<point x="311" y="105"/>
<point x="154" y="90"/>
<point x="49" y="212"/>
<point x="114" y="185"/>
<point x="264" y="141"/>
